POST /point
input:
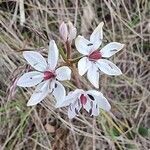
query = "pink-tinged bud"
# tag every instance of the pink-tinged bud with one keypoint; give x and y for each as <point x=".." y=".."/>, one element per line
<point x="72" y="31"/>
<point x="63" y="31"/>
<point x="83" y="99"/>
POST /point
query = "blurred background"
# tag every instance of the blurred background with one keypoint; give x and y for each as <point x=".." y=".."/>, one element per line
<point x="29" y="25"/>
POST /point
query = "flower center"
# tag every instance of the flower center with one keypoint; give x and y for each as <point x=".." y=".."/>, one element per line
<point x="83" y="99"/>
<point x="95" y="55"/>
<point x="49" y="75"/>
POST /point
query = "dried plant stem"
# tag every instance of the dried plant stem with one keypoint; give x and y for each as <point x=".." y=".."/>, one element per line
<point x="94" y="140"/>
<point x="22" y="12"/>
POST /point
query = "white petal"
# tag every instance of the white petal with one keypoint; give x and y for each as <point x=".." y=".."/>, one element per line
<point x="30" y="79"/>
<point x="36" y="60"/>
<point x="74" y="94"/>
<point x="71" y="112"/>
<point x="83" y="65"/>
<point x="93" y="75"/>
<point x="65" y="102"/>
<point x="73" y="109"/>
<point x="83" y="45"/>
<point x="111" y="48"/>
<point x="39" y="94"/>
<point x="52" y="85"/>
<point x="97" y="36"/>
<point x="70" y="98"/>
<point x="52" y="55"/>
<point x="87" y="106"/>
<point x="59" y="92"/>
<point x="95" y="109"/>
<point x="103" y="103"/>
<point x="108" y="67"/>
<point x="63" y="73"/>
<point x="99" y="99"/>
<point x="92" y="98"/>
<point x="94" y="92"/>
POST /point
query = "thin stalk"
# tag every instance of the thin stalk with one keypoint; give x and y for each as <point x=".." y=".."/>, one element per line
<point x="68" y="49"/>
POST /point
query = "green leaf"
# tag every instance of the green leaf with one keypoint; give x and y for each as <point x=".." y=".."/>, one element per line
<point x="143" y="131"/>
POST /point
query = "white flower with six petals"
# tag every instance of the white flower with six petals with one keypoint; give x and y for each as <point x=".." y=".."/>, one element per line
<point x="45" y="76"/>
<point x="93" y="60"/>
<point x="90" y="100"/>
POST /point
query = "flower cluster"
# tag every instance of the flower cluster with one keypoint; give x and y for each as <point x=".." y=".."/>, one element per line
<point x="48" y="76"/>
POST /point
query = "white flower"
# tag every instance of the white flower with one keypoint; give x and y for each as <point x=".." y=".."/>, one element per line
<point x="46" y="76"/>
<point x="93" y="60"/>
<point x="90" y="100"/>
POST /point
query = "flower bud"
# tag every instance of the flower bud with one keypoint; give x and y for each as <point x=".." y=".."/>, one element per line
<point x="67" y="31"/>
<point x="72" y="31"/>
<point x="63" y="31"/>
